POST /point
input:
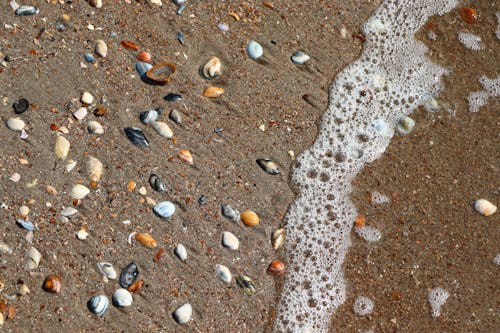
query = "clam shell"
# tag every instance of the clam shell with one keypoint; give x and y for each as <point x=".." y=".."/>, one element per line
<point x="101" y="49"/>
<point x="122" y="298"/>
<point x="79" y="191"/>
<point x="136" y="136"/>
<point x="276" y="268"/>
<point x="33" y="258"/>
<point x="181" y="252"/>
<point x="405" y="125"/>
<point x="213" y="68"/>
<point x="52" y="284"/>
<point x="87" y="98"/>
<point x="148" y="116"/>
<point x="142" y="68"/>
<point x="161" y="73"/>
<point x="129" y="275"/>
<point x="107" y="270"/>
<point x="94" y="169"/>
<point x="230" y="213"/>
<point x="144" y="57"/>
<point x="300" y="57"/>
<point x="246" y="284"/>
<point x="224" y="273"/>
<point x="94" y="127"/>
<point x="27" y="10"/>
<point x="249" y="218"/>
<point x="254" y="50"/>
<point x="277" y="238"/>
<point x="164" y="209"/>
<point x="230" y="241"/>
<point x="183" y="314"/>
<point x="185" y="156"/>
<point x="175" y="116"/>
<point x="213" y="92"/>
<point x="146" y="240"/>
<point x="61" y="148"/>
<point x="98" y="304"/>
<point x="15" y="124"/>
<point x="162" y="129"/>
<point x="156" y="183"/>
<point x="268" y="165"/>
<point x="69" y="211"/>
<point x="484" y="207"/>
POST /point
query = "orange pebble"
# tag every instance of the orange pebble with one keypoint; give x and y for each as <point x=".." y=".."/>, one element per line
<point x="468" y="14"/>
<point x="131" y="186"/>
<point x="360" y="221"/>
<point x="144" y="57"/>
<point x="129" y="45"/>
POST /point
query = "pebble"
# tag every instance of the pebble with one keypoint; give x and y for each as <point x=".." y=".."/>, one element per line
<point x="183" y="314"/>
<point x="175" y="116"/>
<point x="27" y="225"/>
<point x="254" y="50"/>
<point x="87" y="98"/>
<point x="246" y="284"/>
<point x="181" y="252"/>
<point x="164" y="209"/>
<point x="107" y="270"/>
<point x="100" y="110"/>
<point x="484" y="207"/>
<point x="101" y="49"/>
<point x="213" y="92"/>
<point x="24" y="211"/>
<point x="122" y="298"/>
<point x="61" y="148"/>
<point x="79" y="191"/>
<point x="249" y="218"/>
<point x="143" y="191"/>
<point x="15" y="124"/>
<point x="15" y="177"/>
<point x="224" y="273"/>
<point x="129" y="275"/>
<point x="230" y="213"/>
<point x="52" y="284"/>
<point x="82" y="234"/>
<point x="300" y="57"/>
<point x="98" y="304"/>
<point x="172" y="97"/>
<point x="230" y="241"/>
<point x="21" y="105"/>
<point x="80" y="113"/>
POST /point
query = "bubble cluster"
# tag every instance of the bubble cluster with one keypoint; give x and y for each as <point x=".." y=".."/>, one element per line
<point x="470" y="41"/>
<point x="392" y="77"/>
<point x="363" y="306"/>
<point x="437" y="297"/>
<point x="477" y="99"/>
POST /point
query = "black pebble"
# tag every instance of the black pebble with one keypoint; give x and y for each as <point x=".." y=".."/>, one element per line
<point x="21" y="105"/>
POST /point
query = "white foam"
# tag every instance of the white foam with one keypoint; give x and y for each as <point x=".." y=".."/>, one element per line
<point x="496" y="260"/>
<point x="491" y="88"/>
<point x="470" y="41"/>
<point x="363" y="306"/>
<point x="392" y="77"/>
<point x="437" y="297"/>
<point x="498" y="26"/>
<point x="378" y="198"/>
<point x="369" y="234"/>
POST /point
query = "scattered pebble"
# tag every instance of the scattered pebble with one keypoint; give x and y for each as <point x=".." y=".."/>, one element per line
<point x="80" y="113"/>
<point x="87" y="98"/>
<point x="183" y="314"/>
<point x="61" y="148"/>
<point x="15" y="124"/>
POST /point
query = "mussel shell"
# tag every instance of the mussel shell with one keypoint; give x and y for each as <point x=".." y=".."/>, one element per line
<point x="98" y="304"/>
<point x="164" y="209"/>
<point x="246" y="284"/>
<point x="268" y="165"/>
<point x="136" y="136"/>
<point x="142" y="68"/>
<point x="175" y="116"/>
<point x="129" y="275"/>
<point x="230" y="213"/>
<point x="180" y="37"/>
<point x="122" y="298"/>
<point x="172" y="97"/>
<point x="156" y="183"/>
<point x="161" y="73"/>
<point x="21" y="105"/>
<point x="89" y="57"/>
<point x="148" y="116"/>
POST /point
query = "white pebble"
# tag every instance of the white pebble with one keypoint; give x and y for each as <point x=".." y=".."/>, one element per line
<point x="181" y="252"/>
<point x="15" y="124"/>
<point x="87" y="98"/>
<point x="224" y="273"/>
<point x="484" y="207"/>
<point x="80" y="113"/>
<point x="82" y="234"/>
<point x="437" y="297"/>
<point x="183" y="314"/>
<point x="230" y="241"/>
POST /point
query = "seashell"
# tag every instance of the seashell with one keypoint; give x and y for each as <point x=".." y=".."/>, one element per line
<point x="15" y="177"/>
<point x="52" y="284"/>
<point x="23" y="290"/>
<point x="183" y="314"/>
<point x="185" y="156"/>
<point x="129" y="275"/>
<point x="94" y="127"/>
<point x="223" y="273"/>
<point x="122" y="298"/>
<point x="249" y="218"/>
<point x="80" y="113"/>
<point x="146" y="240"/>
<point x="164" y="209"/>
<point x="136" y="286"/>
<point x="230" y="213"/>
<point x="431" y="105"/>
<point x="71" y="165"/>
<point x="33" y="258"/>
<point x="276" y="268"/>
<point x="98" y="304"/>
<point x="142" y="68"/>
<point x="162" y="129"/>
<point x="79" y="191"/>
<point x="82" y="234"/>
<point x="69" y="211"/>
<point x="484" y="207"/>
<point x="25" y="224"/>
<point x="94" y="169"/>
<point x="181" y="252"/>
<point x="21" y="105"/>
<point x="159" y="254"/>
<point x="15" y="124"/>
<point x="136" y="136"/>
<point x="268" y="165"/>
<point x="180" y="9"/>
<point x="100" y="110"/>
<point x="172" y="97"/>
<point x="246" y="284"/>
<point x="175" y="116"/>
<point x="161" y="73"/>
<point x="213" y="92"/>
<point x="24" y="210"/>
<point x="95" y="3"/>
<point x="212" y="69"/>
<point x="101" y="49"/>
<point x="27" y="10"/>
<point x="254" y="50"/>
<point x="5" y="248"/>
<point x="87" y="98"/>
<point x="61" y="148"/>
<point x="144" y="57"/>
<point x="107" y="270"/>
<point x="129" y="45"/>
<point x="405" y="125"/>
<point x="180" y="37"/>
<point x="300" y="57"/>
<point x="148" y="116"/>
<point x="230" y="241"/>
<point x="156" y="183"/>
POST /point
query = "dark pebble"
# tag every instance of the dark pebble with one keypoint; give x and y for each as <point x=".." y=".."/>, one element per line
<point x="21" y="105"/>
<point x="172" y="97"/>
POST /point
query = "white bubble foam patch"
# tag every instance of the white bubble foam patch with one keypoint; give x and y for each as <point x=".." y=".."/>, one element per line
<point x="437" y="297"/>
<point x="477" y="99"/>
<point x="470" y="41"/>
<point x="392" y="77"/>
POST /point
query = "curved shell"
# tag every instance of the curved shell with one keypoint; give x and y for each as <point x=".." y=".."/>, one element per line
<point x="224" y="273"/>
<point x="101" y="49"/>
<point x="175" y="116"/>
<point x="142" y="68"/>
<point x="185" y="156"/>
<point x="144" y="57"/>
<point x="164" y="209"/>
<point x="61" y="148"/>
<point x="52" y="284"/>
<point x="136" y="136"/>
<point x="276" y="268"/>
<point x="146" y="240"/>
<point x="162" y="129"/>
<point x="33" y="258"/>
<point x="148" y="116"/>
<point x="79" y="191"/>
<point x="213" y="92"/>
<point x="254" y="50"/>
<point x="484" y="207"/>
<point x="161" y="73"/>
<point x="268" y="165"/>
<point x="107" y="270"/>
<point x="277" y="238"/>
<point x="300" y="57"/>
<point x="212" y="69"/>
<point x="15" y="124"/>
<point x="183" y="314"/>
<point x="156" y="183"/>
<point x="249" y="218"/>
<point x="98" y="304"/>
<point x="230" y="241"/>
<point x="181" y="252"/>
<point x="94" y="169"/>
<point x="94" y="127"/>
<point x="122" y="298"/>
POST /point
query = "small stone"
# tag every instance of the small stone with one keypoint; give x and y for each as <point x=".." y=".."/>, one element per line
<point x="183" y="314"/>
<point x="254" y="50"/>
<point x="24" y="211"/>
<point x="82" y="234"/>
<point x="15" y="124"/>
<point x="101" y="49"/>
<point x="181" y="252"/>
<point x="21" y="105"/>
<point x="87" y="98"/>
<point x="224" y="273"/>
<point x="80" y="113"/>
<point x="484" y="207"/>
<point x="230" y="241"/>
<point x="143" y="190"/>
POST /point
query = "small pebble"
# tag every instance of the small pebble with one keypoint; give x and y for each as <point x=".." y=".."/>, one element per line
<point x="82" y="234"/>
<point x="24" y="211"/>
<point x="21" y="105"/>
<point x="80" y="113"/>
<point x="484" y="207"/>
<point x="87" y="98"/>
<point x="183" y="314"/>
<point x="181" y="252"/>
<point x="254" y="50"/>
<point x="230" y="241"/>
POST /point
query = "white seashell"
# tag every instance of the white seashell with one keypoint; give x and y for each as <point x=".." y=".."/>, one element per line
<point x="33" y="258"/>
<point x="82" y="234"/>
<point x="277" y="238"/>
<point x="122" y="298"/>
<point x="79" y="191"/>
<point x="162" y="129"/>
<point x="181" y="252"/>
<point x="94" y="169"/>
<point x="183" y="314"/>
<point x="107" y="270"/>
<point x="213" y="68"/>
<point x="15" y="124"/>
<point x="71" y="165"/>
<point x="69" y="211"/>
<point x="94" y="127"/>
<point x="230" y="241"/>
<point x="224" y="273"/>
<point x="101" y="49"/>
<point x="5" y="248"/>
<point x="98" y="304"/>
<point x="164" y="209"/>
<point x="300" y="57"/>
<point x="254" y="50"/>
<point x="80" y="113"/>
<point x="484" y="207"/>
<point x="61" y="148"/>
<point x="24" y="210"/>
<point x="87" y="98"/>
<point x="15" y="177"/>
<point x="405" y="125"/>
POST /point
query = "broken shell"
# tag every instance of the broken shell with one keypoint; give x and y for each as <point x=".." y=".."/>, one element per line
<point x="223" y="273"/>
<point x="33" y="258"/>
<point x="129" y="45"/>
<point x="213" y="68"/>
<point x="94" y="169"/>
<point x="142" y="68"/>
<point x="268" y="165"/>
<point x="164" y="209"/>
<point x="148" y="116"/>
<point x="277" y="238"/>
<point x="162" y="129"/>
<point x="185" y="156"/>
<point x="52" y="284"/>
<point x="181" y="252"/>
<point x="230" y="241"/>
<point x="146" y="239"/>
<point x="144" y="57"/>
<point x="61" y="148"/>
<point x="23" y="290"/>
<point x="101" y="49"/>
<point x="122" y="298"/>
<point x="15" y="124"/>
<point x="136" y="136"/>
<point x="69" y="211"/>
<point x="5" y="248"/>
<point x="129" y="275"/>
<point x="27" y="10"/>
<point x="107" y="270"/>
<point x="183" y="314"/>
<point x="87" y="98"/>
<point x="94" y="127"/>
<point x="276" y="268"/>
<point x="175" y="116"/>
<point x="484" y="207"/>
<point x="246" y="284"/>
<point x="156" y="183"/>
<point x="98" y="304"/>
<point x="28" y="225"/>
<point x="71" y="165"/>
<point x="213" y="92"/>
<point x="230" y="213"/>
<point x="249" y="218"/>
<point x="300" y="57"/>
<point x="79" y="191"/>
<point x="161" y="73"/>
<point x="254" y="50"/>
<point x="136" y="286"/>
<point x="405" y="125"/>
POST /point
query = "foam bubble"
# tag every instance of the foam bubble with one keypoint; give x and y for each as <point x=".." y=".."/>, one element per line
<point x="437" y="297"/>
<point x="378" y="198"/>
<point x="491" y="88"/>
<point x="496" y="260"/>
<point x="363" y="306"/>
<point x="470" y="41"/>
<point x="369" y="234"/>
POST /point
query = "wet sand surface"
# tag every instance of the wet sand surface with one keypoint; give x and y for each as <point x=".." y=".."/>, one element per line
<point x="431" y="235"/>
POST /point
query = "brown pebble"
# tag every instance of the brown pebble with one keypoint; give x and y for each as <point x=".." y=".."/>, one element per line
<point x="276" y="268"/>
<point x="213" y="92"/>
<point x="136" y="286"/>
<point x="249" y="218"/>
<point x="100" y="110"/>
<point x="159" y="254"/>
<point x="52" y="284"/>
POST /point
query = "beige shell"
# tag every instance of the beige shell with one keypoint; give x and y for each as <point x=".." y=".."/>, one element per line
<point x="146" y="239"/>
<point x="94" y="127"/>
<point x="61" y="149"/>
<point x="213" y="68"/>
<point x="185" y="156"/>
<point x="484" y="207"/>
<point x="15" y="124"/>
<point x="94" y="169"/>
<point x="33" y="258"/>
<point x="249" y="218"/>
<point x="162" y="129"/>
<point x="101" y="49"/>
<point x="79" y="191"/>
<point x="213" y="92"/>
